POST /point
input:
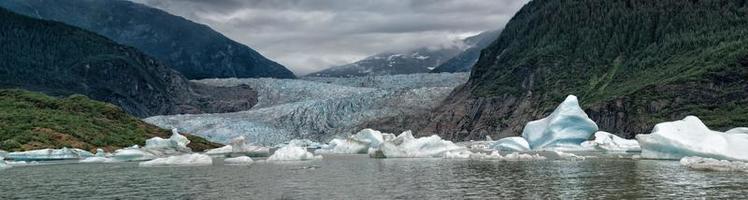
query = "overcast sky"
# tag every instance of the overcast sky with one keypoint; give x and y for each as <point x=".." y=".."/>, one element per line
<point x="310" y="35"/>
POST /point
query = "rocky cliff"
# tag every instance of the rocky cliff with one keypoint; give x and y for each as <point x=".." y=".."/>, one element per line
<point x="633" y="63"/>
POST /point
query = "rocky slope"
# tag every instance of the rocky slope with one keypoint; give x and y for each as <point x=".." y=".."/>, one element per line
<point x="464" y="61"/>
<point x="30" y="120"/>
<point x="316" y="109"/>
<point x="632" y="63"/>
<point x="420" y="60"/>
<point x="193" y="49"/>
<point x="61" y="60"/>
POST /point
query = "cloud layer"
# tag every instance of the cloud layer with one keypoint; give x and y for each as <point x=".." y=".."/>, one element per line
<point x="310" y="35"/>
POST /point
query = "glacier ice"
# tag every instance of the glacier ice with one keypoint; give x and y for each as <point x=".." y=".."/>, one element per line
<point x="510" y="144"/>
<point x="690" y="137"/>
<point x="241" y="160"/>
<point x="566" y="128"/>
<point x="50" y="154"/>
<point x="711" y="164"/>
<point x="194" y="159"/>
<point x="609" y="142"/>
<point x="292" y="153"/>
<point x="405" y="146"/>
<point x="331" y="110"/>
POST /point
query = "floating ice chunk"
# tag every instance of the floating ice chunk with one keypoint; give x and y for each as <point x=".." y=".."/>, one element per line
<point x="494" y="155"/>
<point x="292" y="153"/>
<point x="241" y="160"/>
<point x="369" y="137"/>
<point x="690" y="137"/>
<point x="237" y="144"/>
<point x="306" y="143"/>
<point x="564" y="155"/>
<point x="194" y="159"/>
<point x="566" y="128"/>
<point x="3" y="165"/>
<point x="511" y="144"/>
<point x="134" y="153"/>
<point x="347" y="146"/>
<point x="50" y="154"/>
<point x="516" y="156"/>
<point x="609" y="142"/>
<point x="175" y="144"/>
<point x="97" y="159"/>
<point x="457" y="155"/>
<point x="739" y="130"/>
<point x="425" y="147"/>
<point x="710" y="164"/>
<point x="227" y="149"/>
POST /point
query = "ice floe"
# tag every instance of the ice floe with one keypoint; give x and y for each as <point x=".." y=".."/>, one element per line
<point x="292" y="152"/>
<point x="493" y="155"/>
<point x="711" y="164"/>
<point x="566" y="128"/>
<point x="133" y="153"/>
<point x="239" y="145"/>
<point x="510" y="144"/>
<point x="690" y="137"/>
<point x="241" y="160"/>
<point x="406" y="146"/>
<point x="609" y="142"/>
<point x="177" y="143"/>
<point x="50" y="154"/>
<point x="194" y="159"/>
<point x="359" y="143"/>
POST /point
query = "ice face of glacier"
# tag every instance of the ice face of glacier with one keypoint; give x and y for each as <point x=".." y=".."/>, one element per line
<point x="511" y="144"/>
<point x="690" y="137"/>
<point x="50" y="154"/>
<point x="292" y="153"/>
<point x="609" y="142"/>
<point x="424" y="147"/>
<point x="241" y="160"/>
<point x="711" y="164"/>
<point x="194" y="159"/>
<point x="293" y="109"/>
<point x="566" y="128"/>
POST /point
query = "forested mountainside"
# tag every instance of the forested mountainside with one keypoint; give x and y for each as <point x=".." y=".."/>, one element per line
<point x="193" y="49"/>
<point x="464" y="61"/>
<point x="62" y="60"/>
<point x="633" y="63"/>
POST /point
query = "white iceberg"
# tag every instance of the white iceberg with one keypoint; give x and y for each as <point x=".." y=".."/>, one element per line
<point x="690" y="137"/>
<point x="609" y="142"/>
<point x="3" y="165"/>
<point x="177" y="143"/>
<point x="50" y="154"/>
<point x="194" y="159"/>
<point x="306" y="143"/>
<point x="710" y="164"/>
<point x="292" y="153"/>
<point x="241" y="160"/>
<point x="405" y="146"/>
<point x="511" y="144"/>
<point x="97" y="159"/>
<point x="360" y="143"/>
<point x="239" y="145"/>
<point x="134" y="153"/>
<point x="494" y="155"/>
<point x="566" y="128"/>
<point x="226" y="149"/>
<point x="516" y="156"/>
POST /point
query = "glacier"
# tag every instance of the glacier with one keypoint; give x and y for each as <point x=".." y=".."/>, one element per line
<point x="608" y="142"/>
<point x="566" y="128"/>
<point x="50" y="154"/>
<point x="194" y="159"/>
<point x="318" y="109"/>
<point x="711" y="164"/>
<point x="691" y="137"/>
<point x="292" y="152"/>
<point x="241" y="160"/>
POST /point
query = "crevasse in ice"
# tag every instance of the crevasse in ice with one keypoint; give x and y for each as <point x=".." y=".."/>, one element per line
<point x="194" y="159"/>
<point x="609" y="142"/>
<point x="566" y="128"/>
<point x="690" y="137"/>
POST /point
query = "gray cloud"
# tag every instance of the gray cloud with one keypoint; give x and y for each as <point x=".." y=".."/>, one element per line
<point x="310" y="35"/>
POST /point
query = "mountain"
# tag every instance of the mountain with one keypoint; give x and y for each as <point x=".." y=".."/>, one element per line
<point x="633" y="63"/>
<point x="464" y="61"/>
<point x="30" y="120"/>
<point x="193" y="49"/>
<point x="62" y="60"/>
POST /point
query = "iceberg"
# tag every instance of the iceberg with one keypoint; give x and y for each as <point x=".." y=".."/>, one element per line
<point x="3" y="165"/>
<point x="690" y="137"/>
<point x="710" y="164"/>
<point x="360" y="143"/>
<point x="306" y="143"/>
<point x="226" y="149"/>
<point x="406" y="146"/>
<point x="175" y="144"/>
<point x="238" y="145"/>
<point x="494" y="155"/>
<point x="194" y="159"/>
<point x="97" y="159"/>
<point x="566" y="128"/>
<point x="134" y="153"/>
<point x="50" y="154"/>
<point x="511" y="144"/>
<point x="609" y="142"/>
<point x="515" y="156"/>
<point x="292" y="152"/>
<point x="241" y="160"/>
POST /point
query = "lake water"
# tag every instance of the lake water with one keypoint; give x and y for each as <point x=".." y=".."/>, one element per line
<point x="359" y="177"/>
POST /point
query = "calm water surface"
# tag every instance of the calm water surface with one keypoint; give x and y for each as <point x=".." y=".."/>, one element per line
<point x="358" y="177"/>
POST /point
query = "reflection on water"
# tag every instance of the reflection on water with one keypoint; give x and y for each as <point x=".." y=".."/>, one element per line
<point x="358" y="177"/>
